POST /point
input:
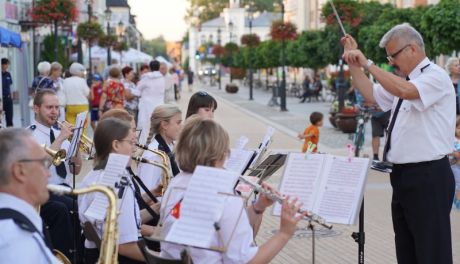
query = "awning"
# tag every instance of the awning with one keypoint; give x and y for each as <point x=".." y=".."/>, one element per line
<point x="9" y="38"/>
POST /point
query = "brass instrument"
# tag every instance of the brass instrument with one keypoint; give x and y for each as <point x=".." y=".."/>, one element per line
<point x="58" y="156"/>
<point x="165" y="175"/>
<point x="108" y="253"/>
<point x="86" y="144"/>
<point x="164" y="157"/>
<point x="273" y="196"/>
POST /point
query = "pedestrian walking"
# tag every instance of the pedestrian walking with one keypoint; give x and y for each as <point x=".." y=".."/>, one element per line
<point x="7" y="82"/>
<point x="420" y="137"/>
<point x="453" y="68"/>
<point x="76" y="92"/>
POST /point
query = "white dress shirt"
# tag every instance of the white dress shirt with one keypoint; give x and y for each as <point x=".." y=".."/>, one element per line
<point x="76" y="91"/>
<point x="241" y="248"/>
<point x="41" y="134"/>
<point x="129" y="219"/>
<point x="18" y="245"/>
<point x="150" y="174"/>
<point x="424" y="128"/>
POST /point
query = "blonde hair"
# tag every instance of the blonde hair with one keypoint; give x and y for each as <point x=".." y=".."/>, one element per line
<point x="449" y="64"/>
<point x="161" y="113"/>
<point x="201" y="142"/>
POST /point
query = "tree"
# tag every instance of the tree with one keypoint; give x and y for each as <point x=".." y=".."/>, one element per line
<point x="89" y="31"/>
<point x="229" y="49"/>
<point x="48" y="52"/>
<point x="208" y="9"/>
<point x="55" y="12"/>
<point x="311" y="51"/>
<point x="441" y="25"/>
<point x="155" y="47"/>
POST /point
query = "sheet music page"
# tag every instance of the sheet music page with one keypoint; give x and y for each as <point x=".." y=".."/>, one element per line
<point x="341" y="190"/>
<point x="263" y="146"/>
<point x="202" y="206"/>
<point x="238" y="160"/>
<point x="79" y="123"/>
<point x="242" y="142"/>
<point x="300" y="178"/>
<point x="114" y="170"/>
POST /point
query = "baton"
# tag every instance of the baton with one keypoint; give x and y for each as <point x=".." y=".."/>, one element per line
<point x="338" y="18"/>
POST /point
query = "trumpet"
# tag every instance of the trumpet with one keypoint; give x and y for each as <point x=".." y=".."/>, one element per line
<point x="273" y="196"/>
<point x="165" y="175"/>
<point x="162" y="154"/>
<point x="108" y="253"/>
<point x="86" y="144"/>
<point x="58" y="156"/>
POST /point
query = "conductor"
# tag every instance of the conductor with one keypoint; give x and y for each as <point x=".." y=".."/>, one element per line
<point x="420" y="135"/>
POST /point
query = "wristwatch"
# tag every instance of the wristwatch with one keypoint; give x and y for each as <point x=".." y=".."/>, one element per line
<point x="368" y="64"/>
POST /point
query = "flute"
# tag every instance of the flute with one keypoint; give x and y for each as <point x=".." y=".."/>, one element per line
<point x="273" y="196"/>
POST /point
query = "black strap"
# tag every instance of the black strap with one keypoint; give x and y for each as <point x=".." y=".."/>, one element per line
<point x="142" y="185"/>
<point x="393" y="121"/>
<point x="24" y="223"/>
<point x="164" y="147"/>
<point x="60" y="169"/>
<point x="140" y="200"/>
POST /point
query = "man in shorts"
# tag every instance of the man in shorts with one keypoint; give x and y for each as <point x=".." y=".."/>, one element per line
<point x="379" y="122"/>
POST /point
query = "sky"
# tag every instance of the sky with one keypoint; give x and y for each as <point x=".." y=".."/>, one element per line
<point x="160" y="17"/>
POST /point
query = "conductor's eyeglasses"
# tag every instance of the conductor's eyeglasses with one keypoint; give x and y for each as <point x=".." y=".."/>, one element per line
<point x="46" y="163"/>
<point x="393" y="56"/>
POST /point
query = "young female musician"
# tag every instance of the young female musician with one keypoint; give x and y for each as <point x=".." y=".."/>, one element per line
<point x="203" y="104"/>
<point x="204" y="142"/>
<point x="165" y="126"/>
<point x="114" y="136"/>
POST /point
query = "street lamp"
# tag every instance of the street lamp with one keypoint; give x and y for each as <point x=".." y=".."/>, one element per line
<point x="90" y="14"/>
<point x="230" y="29"/>
<point x="283" y="63"/>
<point x="218" y="57"/>
<point x="108" y="15"/>
<point x="250" y="16"/>
<point x="121" y="30"/>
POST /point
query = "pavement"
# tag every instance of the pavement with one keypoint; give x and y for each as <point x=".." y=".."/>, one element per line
<point x="239" y="116"/>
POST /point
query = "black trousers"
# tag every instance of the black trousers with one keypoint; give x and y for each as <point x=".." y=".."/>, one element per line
<point x="421" y="203"/>
<point x="8" y="108"/>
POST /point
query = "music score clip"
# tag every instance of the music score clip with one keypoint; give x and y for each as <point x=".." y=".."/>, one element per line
<point x="351" y="150"/>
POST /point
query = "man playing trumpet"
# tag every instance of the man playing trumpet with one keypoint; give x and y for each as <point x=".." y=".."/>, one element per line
<point x="56" y="213"/>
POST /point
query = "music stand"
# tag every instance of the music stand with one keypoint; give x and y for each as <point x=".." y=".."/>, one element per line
<point x="268" y="167"/>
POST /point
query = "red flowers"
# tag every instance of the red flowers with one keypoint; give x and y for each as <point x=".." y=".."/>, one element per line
<point x="283" y="30"/>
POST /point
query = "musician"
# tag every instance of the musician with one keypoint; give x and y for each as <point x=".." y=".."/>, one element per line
<point x="420" y="135"/>
<point x="46" y="109"/>
<point x="204" y="142"/>
<point x="23" y="178"/>
<point x="115" y="136"/>
<point x="165" y="126"/>
<point x="203" y="104"/>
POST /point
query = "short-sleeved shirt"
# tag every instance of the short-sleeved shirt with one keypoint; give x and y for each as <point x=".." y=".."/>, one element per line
<point x="115" y="92"/>
<point x="18" y="245"/>
<point x="313" y="131"/>
<point x="41" y="134"/>
<point x="424" y="128"/>
<point x="129" y="220"/>
<point x="133" y="103"/>
<point x="150" y="174"/>
<point x="97" y="92"/>
<point x="241" y="248"/>
<point x="7" y="81"/>
<point x="42" y="82"/>
<point x="76" y="91"/>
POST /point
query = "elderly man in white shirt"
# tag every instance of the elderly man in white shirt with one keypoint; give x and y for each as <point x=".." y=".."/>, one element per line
<point x="23" y="178"/>
<point x="420" y="135"/>
<point x="76" y="92"/>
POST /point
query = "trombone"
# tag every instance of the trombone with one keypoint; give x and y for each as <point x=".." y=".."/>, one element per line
<point x="57" y="156"/>
<point x="86" y="144"/>
<point x="165" y="178"/>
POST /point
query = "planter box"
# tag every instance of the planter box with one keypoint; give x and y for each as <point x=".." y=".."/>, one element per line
<point x="332" y="119"/>
<point x="347" y="123"/>
<point x="231" y="88"/>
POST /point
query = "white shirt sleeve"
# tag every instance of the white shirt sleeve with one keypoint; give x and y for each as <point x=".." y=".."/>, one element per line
<point x="150" y="174"/>
<point x="129" y="218"/>
<point x="430" y="88"/>
<point x="383" y="98"/>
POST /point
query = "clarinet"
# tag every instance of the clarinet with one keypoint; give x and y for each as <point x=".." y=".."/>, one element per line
<point x="273" y="196"/>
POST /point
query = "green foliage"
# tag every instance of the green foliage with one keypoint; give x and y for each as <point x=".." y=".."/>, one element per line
<point x="107" y="40"/>
<point x="154" y="47"/>
<point x="89" y="30"/>
<point x="47" y="53"/>
<point x="260" y="5"/>
<point x="441" y="24"/>
<point x="311" y="51"/>
<point x="229" y="49"/>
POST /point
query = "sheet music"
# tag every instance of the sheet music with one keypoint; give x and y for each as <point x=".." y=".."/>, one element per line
<point x="242" y="142"/>
<point x="202" y="206"/>
<point x="79" y="123"/>
<point x="341" y="191"/>
<point x="114" y="170"/>
<point x="300" y="178"/>
<point x="238" y="160"/>
<point x="263" y="146"/>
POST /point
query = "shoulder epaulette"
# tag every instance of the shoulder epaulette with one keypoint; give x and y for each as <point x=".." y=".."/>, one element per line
<point x="32" y="127"/>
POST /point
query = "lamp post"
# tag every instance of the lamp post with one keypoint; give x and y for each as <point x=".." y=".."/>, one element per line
<point x="108" y="15"/>
<point x="218" y="57"/>
<point x="230" y="29"/>
<point x="121" y="33"/>
<point x="90" y="14"/>
<point x="250" y="16"/>
<point x="283" y="62"/>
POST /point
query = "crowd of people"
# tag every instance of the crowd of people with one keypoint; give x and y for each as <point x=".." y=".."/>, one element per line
<point x="422" y="107"/>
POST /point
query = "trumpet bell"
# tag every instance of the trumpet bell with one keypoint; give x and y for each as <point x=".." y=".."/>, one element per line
<point x="57" y="156"/>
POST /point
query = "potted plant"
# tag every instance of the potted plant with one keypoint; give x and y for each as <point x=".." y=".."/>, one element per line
<point x="346" y="119"/>
<point x="231" y="88"/>
<point x="333" y="112"/>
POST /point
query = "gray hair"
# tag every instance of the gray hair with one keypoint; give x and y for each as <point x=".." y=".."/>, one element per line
<point x="13" y="149"/>
<point x="77" y="69"/>
<point x="450" y="62"/>
<point x="403" y="32"/>
<point x="55" y="66"/>
<point x="43" y="67"/>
